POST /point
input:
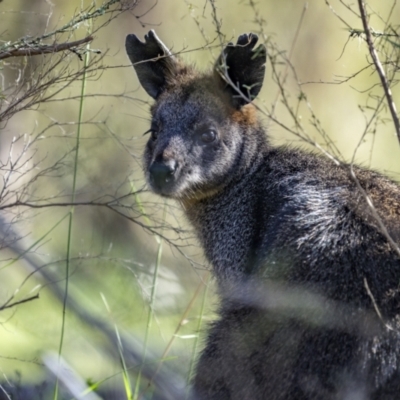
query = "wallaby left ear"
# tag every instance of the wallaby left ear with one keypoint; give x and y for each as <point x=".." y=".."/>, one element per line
<point x="153" y="62"/>
<point x="242" y="68"/>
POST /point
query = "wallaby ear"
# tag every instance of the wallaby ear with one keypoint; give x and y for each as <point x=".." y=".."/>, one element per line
<point x="153" y="62"/>
<point x="242" y="68"/>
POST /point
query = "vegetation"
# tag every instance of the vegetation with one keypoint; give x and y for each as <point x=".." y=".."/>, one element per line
<point x="98" y="277"/>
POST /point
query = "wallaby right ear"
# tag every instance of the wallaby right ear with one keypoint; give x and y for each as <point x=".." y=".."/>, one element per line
<point x="242" y="67"/>
<point x="153" y="62"/>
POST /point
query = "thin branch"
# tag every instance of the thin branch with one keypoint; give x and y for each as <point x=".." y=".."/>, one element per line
<point x="44" y="49"/>
<point x="16" y="303"/>
<point x="379" y="69"/>
<point x="217" y="22"/>
<point x="375" y="304"/>
<point x="286" y="71"/>
<point x="337" y="14"/>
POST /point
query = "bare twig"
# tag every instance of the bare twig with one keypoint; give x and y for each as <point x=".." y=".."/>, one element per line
<point x="375" y="304"/>
<point x="7" y="304"/>
<point x="44" y="49"/>
<point x="336" y="14"/>
<point x="379" y="69"/>
<point x="217" y="22"/>
<point x="286" y="71"/>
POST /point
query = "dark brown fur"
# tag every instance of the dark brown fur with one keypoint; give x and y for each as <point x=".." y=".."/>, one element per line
<point x="304" y="251"/>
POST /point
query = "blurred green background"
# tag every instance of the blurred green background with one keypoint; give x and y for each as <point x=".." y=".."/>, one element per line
<point x="116" y="249"/>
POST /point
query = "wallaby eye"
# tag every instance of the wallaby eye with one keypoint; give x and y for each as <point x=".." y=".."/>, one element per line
<point x="208" y="136"/>
<point x="154" y="129"/>
<point x="154" y="134"/>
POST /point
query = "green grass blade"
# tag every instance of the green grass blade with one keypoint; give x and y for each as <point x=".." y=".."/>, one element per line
<point x="151" y="309"/>
<point x="206" y="280"/>
<point x="69" y="235"/>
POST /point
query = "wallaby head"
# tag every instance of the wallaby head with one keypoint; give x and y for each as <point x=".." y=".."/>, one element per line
<point x="199" y="121"/>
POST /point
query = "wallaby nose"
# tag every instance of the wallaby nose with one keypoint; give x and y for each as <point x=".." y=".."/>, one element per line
<point x="161" y="173"/>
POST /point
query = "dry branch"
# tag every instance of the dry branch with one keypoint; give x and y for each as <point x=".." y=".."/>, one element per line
<point x="379" y="69"/>
<point x="44" y="49"/>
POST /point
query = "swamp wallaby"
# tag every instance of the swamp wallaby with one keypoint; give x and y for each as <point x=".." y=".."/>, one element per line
<point x="305" y="252"/>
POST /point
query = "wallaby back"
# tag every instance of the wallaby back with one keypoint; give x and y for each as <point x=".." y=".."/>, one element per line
<point x="305" y="252"/>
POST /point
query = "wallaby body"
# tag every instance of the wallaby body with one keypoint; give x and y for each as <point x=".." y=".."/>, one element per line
<point x="308" y="271"/>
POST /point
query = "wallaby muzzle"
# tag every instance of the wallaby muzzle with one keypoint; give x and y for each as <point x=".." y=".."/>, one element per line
<point x="162" y="174"/>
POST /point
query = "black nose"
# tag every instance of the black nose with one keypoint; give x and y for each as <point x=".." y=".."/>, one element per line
<point x="162" y="173"/>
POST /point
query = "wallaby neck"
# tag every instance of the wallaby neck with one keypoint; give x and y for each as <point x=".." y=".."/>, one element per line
<point x="230" y="217"/>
